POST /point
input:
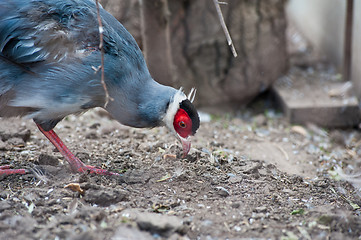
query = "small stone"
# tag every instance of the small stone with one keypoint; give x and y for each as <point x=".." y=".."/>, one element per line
<point x="260" y="209"/>
<point x="235" y="205"/>
<point x="260" y="120"/>
<point x="24" y="134"/>
<point x="154" y="223"/>
<point x="83" y="156"/>
<point x="161" y="224"/>
<point x="15" y="142"/>
<point x="104" y="197"/>
<point x="337" y="137"/>
<point x="3" y="145"/>
<point x="91" y="135"/>
<point x="107" y="130"/>
<point x="95" y="126"/>
<point x="223" y="192"/>
<point x="45" y="159"/>
<point x="131" y="233"/>
<point x="4" y="205"/>
<point x="251" y="167"/>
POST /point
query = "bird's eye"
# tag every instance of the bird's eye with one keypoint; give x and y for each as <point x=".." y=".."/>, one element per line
<point x="182" y="124"/>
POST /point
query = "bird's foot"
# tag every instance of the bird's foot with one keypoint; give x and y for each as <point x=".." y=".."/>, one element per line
<point x="5" y="170"/>
<point x="76" y="165"/>
<point x="93" y="170"/>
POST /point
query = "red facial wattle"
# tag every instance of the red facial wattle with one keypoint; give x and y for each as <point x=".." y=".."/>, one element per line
<point x="182" y="123"/>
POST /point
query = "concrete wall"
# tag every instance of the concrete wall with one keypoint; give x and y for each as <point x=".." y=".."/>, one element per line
<point x="322" y="23"/>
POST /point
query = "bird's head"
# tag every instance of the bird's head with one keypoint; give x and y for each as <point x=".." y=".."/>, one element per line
<point x="182" y="118"/>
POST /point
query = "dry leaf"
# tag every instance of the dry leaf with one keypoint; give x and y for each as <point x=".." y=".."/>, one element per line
<point x="169" y="157"/>
<point x="300" y="130"/>
<point x="75" y="187"/>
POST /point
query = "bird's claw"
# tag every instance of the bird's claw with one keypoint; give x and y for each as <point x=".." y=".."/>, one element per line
<point x="94" y="170"/>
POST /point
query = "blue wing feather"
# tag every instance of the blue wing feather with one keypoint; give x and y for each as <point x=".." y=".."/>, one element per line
<point x="48" y="51"/>
<point x="46" y="30"/>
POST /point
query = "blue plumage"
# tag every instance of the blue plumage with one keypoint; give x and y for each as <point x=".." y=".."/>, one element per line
<point x="48" y="51"/>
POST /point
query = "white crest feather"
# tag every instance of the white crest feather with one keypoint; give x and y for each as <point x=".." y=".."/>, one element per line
<point x="174" y="106"/>
<point x="192" y="94"/>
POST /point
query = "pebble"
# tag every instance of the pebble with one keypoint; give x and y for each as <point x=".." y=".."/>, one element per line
<point x="223" y="192"/>
<point x="3" y="145"/>
<point x="154" y="223"/>
<point x="261" y="209"/>
<point x="130" y="233"/>
<point x="260" y="120"/>
<point x="4" y="205"/>
<point x="104" y="197"/>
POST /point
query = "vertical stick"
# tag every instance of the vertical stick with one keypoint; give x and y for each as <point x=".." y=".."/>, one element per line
<point x="225" y="29"/>
<point x="347" y="51"/>
<point x="101" y="30"/>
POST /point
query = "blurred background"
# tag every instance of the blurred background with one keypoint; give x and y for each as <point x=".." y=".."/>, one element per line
<point x="303" y="54"/>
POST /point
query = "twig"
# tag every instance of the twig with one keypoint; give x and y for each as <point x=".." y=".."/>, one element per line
<point x="101" y="30"/>
<point x="283" y="152"/>
<point x="224" y="26"/>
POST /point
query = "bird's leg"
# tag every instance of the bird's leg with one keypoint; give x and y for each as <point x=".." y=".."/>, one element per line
<point x="75" y="164"/>
<point x="5" y="170"/>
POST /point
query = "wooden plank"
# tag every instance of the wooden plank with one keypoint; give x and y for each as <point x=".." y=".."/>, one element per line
<point x="315" y="98"/>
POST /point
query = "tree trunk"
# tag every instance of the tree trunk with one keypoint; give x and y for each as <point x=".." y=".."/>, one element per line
<point x="156" y="42"/>
<point x="190" y="44"/>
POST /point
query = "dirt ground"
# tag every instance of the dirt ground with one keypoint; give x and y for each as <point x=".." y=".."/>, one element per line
<point x="250" y="176"/>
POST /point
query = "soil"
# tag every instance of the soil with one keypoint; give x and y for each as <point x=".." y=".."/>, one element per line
<point x="247" y="176"/>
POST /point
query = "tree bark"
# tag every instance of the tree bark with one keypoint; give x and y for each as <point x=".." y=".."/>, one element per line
<point x="205" y="61"/>
<point x="190" y="44"/>
<point x="156" y="40"/>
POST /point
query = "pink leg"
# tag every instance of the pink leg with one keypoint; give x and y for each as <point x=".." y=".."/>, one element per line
<point x="75" y="164"/>
<point x="5" y="170"/>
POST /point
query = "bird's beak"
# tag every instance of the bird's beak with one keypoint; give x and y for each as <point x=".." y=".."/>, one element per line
<point x="186" y="144"/>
